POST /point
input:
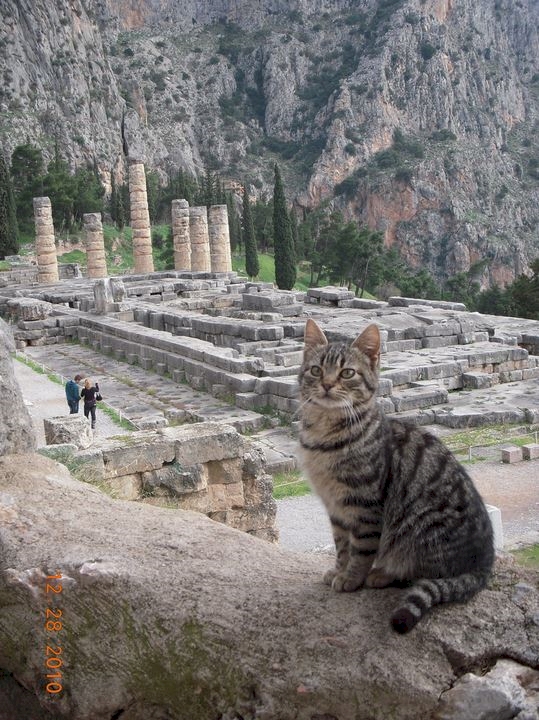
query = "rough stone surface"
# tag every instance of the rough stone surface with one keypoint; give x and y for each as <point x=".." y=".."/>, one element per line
<point x="73" y="429"/>
<point x="16" y="432"/>
<point x="180" y="235"/>
<point x="198" y="621"/>
<point x="140" y="218"/>
<point x="95" y="245"/>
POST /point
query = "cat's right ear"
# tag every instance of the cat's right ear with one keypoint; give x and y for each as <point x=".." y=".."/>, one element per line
<point x="314" y="337"/>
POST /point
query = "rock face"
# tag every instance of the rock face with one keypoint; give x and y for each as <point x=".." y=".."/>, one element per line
<point x="16" y="431"/>
<point x="174" y="616"/>
<point x="416" y="117"/>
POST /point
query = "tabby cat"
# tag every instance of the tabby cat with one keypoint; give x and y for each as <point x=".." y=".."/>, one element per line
<point x="402" y="509"/>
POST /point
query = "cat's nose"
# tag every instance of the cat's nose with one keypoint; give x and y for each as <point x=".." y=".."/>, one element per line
<point x="326" y="386"/>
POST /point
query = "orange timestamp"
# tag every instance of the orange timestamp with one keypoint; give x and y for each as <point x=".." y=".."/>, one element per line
<point x="53" y="625"/>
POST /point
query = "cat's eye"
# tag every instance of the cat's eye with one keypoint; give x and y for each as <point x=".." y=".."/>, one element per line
<point x="347" y="373"/>
<point x="316" y="371"/>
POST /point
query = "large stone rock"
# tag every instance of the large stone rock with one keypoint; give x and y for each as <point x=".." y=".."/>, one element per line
<point x="73" y="429"/>
<point x="16" y="430"/>
<point x="171" y="616"/>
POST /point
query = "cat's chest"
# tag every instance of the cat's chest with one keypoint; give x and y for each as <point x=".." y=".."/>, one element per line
<point x="318" y="467"/>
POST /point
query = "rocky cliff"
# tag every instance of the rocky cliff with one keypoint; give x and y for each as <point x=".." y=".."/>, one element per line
<point x="418" y="117"/>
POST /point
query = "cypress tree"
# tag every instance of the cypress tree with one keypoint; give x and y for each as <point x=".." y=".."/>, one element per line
<point x="234" y="229"/>
<point x="252" y="267"/>
<point x="285" y="265"/>
<point x="8" y="213"/>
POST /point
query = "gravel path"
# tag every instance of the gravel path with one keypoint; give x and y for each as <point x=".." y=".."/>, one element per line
<point x="45" y="399"/>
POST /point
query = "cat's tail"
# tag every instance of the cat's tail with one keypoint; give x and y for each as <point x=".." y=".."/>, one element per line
<point x="426" y="593"/>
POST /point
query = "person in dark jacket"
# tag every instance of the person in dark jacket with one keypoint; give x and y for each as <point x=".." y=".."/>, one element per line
<point x="72" y="394"/>
<point x="88" y="393"/>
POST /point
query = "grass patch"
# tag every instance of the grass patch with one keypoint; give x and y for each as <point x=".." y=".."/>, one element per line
<point x="75" y="256"/>
<point x="116" y="418"/>
<point x="528" y="556"/>
<point x="36" y="367"/>
<point x="290" y="484"/>
<point x="488" y="435"/>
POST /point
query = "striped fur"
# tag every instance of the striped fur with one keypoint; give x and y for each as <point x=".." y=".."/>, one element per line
<point x="402" y="508"/>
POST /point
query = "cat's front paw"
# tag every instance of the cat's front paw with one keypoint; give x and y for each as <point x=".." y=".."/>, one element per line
<point x="329" y="576"/>
<point x="345" y="583"/>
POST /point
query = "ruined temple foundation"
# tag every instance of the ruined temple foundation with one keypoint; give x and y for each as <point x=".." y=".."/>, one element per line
<point x="95" y="245"/>
<point x="47" y="262"/>
<point x="180" y="234"/>
<point x="200" y="243"/>
<point x="140" y="218"/>
<point x="219" y="236"/>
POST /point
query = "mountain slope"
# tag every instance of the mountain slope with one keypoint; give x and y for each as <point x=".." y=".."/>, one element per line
<point x="417" y="117"/>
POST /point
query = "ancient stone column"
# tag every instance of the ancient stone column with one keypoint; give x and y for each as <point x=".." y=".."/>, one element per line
<point x="140" y="218"/>
<point x="221" y="258"/>
<point x="47" y="263"/>
<point x="180" y="234"/>
<point x="95" y="245"/>
<point x="200" y="241"/>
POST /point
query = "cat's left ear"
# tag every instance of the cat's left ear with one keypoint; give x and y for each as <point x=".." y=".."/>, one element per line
<point x="369" y="344"/>
<point x="314" y="337"/>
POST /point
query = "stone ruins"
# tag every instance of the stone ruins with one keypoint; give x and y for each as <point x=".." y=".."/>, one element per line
<point x="229" y="351"/>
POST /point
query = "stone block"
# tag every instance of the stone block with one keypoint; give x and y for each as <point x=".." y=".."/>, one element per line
<point x="174" y="479"/>
<point x="73" y="429"/>
<point x="126" y="487"/>
<point x="204" y="442"/>
<point x="141" y="452"/>
<point x="437" y="341"/>
<point x="89" y="465"/>
<point x="419" y="397"/>
<point x="225" y="497"/>
<point x="511" y="454"/>
<point x="531" y="451"/>
<point x="477" y="380"/>
<point x="495" y="517"/>
<point x="224" y="472"/>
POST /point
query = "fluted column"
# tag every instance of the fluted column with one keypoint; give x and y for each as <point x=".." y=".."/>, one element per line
<point x="180" y="234"/>
<point x="221" y="259"/>
<point x="95" y="245"/>
<point x="140" y="218"/>
<point x="200" y="242"/>
<point x="47" y="262"/>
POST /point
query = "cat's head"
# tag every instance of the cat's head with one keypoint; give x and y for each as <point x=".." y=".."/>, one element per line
<point x="336" y="374"/>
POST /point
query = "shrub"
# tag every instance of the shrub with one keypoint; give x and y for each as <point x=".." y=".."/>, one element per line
<point x="427" y="50"/>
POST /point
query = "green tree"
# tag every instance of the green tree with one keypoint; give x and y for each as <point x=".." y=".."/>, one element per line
<point x="153" y="191"/>
<point x="285" y="263"/>
<point x="252" y="266"/>
<point x="523" y="294"/>
<point x="88" y="193"/>
<point x="116" y="203"/>
<point x="59" y="185"/>
<point x="462" y="288"/>
<point x="26" y="171"/>
<point x="8" y="214"/>
<point x="234" y="227"/>
<point x="494" y="301"/>
<point x="262" y="212"/>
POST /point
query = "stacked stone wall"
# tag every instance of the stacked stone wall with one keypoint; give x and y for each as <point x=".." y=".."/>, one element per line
<point x="206" y="467"/>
